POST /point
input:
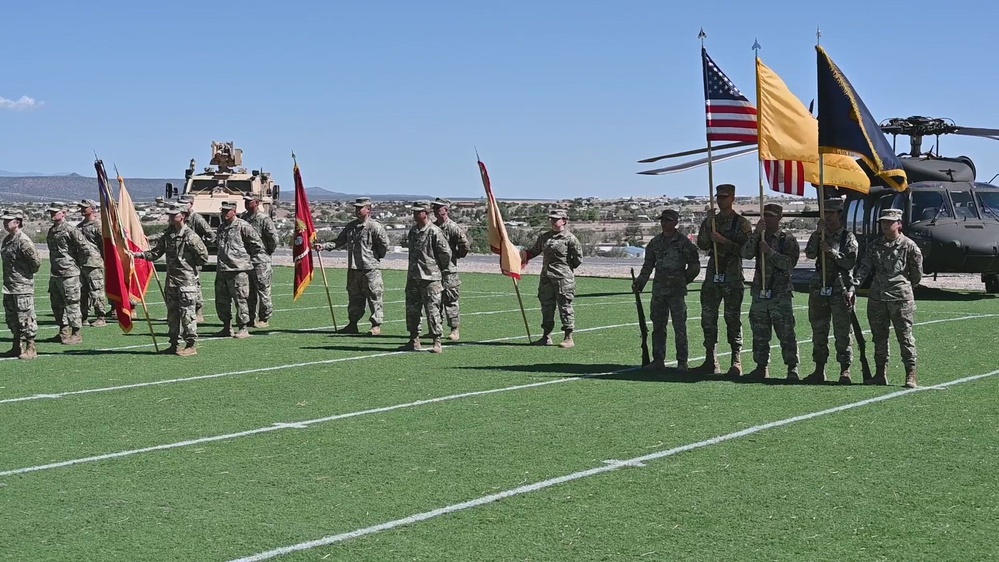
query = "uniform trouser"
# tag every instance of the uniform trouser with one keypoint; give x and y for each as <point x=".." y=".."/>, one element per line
<point x="423" y="297"/>
<point x="259" y="300"/>
<point x="901" y="315"/>
<point x="19" y="312"/>
<point x="663" y="307"/>
<point x="364" y="287"/>
<point x="232" y="286"/>
<point x="767" y="316"/>
<point x="64" y="293"/>
<point x="449" y="299"/>
<point x="712" y="295"/>
<point x="557" y="293"/>
<point x="200" y="304"/>
<point x="181" y="303"/>
<point x="820" y="311"/>
<point x="93" y="295"/>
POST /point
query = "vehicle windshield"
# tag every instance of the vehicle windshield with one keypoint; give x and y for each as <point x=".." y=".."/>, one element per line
<point x="964" y="205"/>
<point x="231" y="186"/>
<point x="989" y="200"/>
<point x="929" y="205"/>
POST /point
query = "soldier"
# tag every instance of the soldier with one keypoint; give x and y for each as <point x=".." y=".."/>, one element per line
<point x="92" y="278"/>
<point x="676" y="262"/>
<point x="897" y="265"/>
<point x="723" y="281"/>
<point x="185" y="253"/>
<point x="259" y="301"/>
<point x="771" y="310"/>
<point x="458" y="243"/>
<point x="20" y="264"/>
<point x="367" y="243"/>
<point x="827" y="298"/>
<point x="429" y="259"/>
<point x="557" y="285"/>
<point x="238" y="244"/>
<point x="68" y="251"/>
<point x="200" y="226"/>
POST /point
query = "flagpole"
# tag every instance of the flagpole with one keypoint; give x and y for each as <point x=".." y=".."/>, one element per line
<point x="711" y="177"/>
<point x="142" y="299"/>
<point x="516" y="287"/>
<point x="319" y="257"/>
<point x="759" y="168"/>
<point x="822" y="193"/>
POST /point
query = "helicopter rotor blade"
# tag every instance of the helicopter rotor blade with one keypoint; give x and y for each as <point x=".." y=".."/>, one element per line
<point x="695" y="151"/>
<point x="976" y="131"/>
<point x="697" y="163"/>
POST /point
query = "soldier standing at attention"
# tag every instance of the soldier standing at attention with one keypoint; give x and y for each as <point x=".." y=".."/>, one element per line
<point x="92" y="278"/>
<point x="20" y="264"/>
<point x="200" y="226"/>
<point x="68" y="251"/>
<point x="238" y="244"/>
<point x="723" y="281"/>
<point x="458" y="243"/>
<point x="259" y="301"/>
<point x="827" y="298"/>
<point x="429" y="259"/>
<point x="562" y="254"/>
<point x="770" y="310"/>
<point x="367" y="243"/>
<point x="185" y="253"/>
<point x="676" y="263"/>
<point x="897" y="265"/>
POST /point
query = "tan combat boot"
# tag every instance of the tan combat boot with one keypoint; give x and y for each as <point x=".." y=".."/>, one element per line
<point x="413" y="345"/>
<point x="454" y="335"/>
<point x="63" y="335"/>
<point x="844" y="375"/>
<point x="567" y="340"/>
<point x="98" y="322"/>
<point x="30" y="351"/>
<point x="818" y="376"/>
<point x="710" y="365"/>
<point x="735" y="370"/>
<point x="187" y="350"/>
<point x="242" y="334"/>
<point x="75" y="337"/>
<point x="375" y="331"/>
<point x="910" y="377"/>
<point x="437" y="346"/>
<point x="262" y="324"/>
<point x="545" y="339"/>
<point x="880" y="377"/>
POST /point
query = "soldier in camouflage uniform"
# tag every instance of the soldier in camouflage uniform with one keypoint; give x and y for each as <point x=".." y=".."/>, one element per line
<point x="68" y="251"/>
<point x="185" y="253"/>
<point x="259" y="302"/>
<point x="200" y="226"/>
<point x="458" y="243"/>
<point x="238" y="243"/>
<point x="771" y="309"/>
<point x="723" y="281"/>
<point x="367" y="243"/>
<point x="562" y="254"/>
<point x="676" y="263"/>
<point x="897" y="265"/>
<point x="20" y="264"/>
<point x="92" y="278"/>
<point x="828" y="298"/>
<point x="429" y="260"/>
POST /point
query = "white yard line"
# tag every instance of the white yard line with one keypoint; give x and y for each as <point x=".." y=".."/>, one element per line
<point x="609" y="466"/>
<point x="305" y="424"/>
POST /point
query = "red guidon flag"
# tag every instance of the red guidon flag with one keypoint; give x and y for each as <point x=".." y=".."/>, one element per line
<point x="499" y="242"/>
<point x="137" y="272"/>
<point x="305" y="235"/>
<point x="115" y="256"/>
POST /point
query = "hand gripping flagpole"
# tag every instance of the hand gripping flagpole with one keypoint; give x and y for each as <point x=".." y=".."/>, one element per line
<point x="319" y="258"/>
<point x="762" y="257"/>
<point x="711" y="178"/>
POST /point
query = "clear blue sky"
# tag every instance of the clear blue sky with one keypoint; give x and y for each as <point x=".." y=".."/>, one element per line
<point x="561" y="98"/>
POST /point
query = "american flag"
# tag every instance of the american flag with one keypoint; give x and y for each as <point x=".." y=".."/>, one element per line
<point x="730" y="116"/>
<point x="785" y="176"/>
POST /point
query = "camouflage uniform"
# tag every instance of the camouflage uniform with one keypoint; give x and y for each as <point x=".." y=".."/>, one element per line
<point x="92" y="278"/>
<point x="676" y="263"/>
<point x="458" y="243"/>
<point x="736" y="229"/>
<point x="200" y="226"/>
<point x="238" y="243"/>
<point x="897" y="266"/>
<point x="834" y="307"/>
<point x="367" y="243"/>
<point x="185" y="253"/>
<point x="259" y="301"/>
<point x="771" y="309"/>
<point x="68" y="251"/>
<point x="562" y="254"/>
<point x="429" y="260"/>
<point x="20" y="263"/>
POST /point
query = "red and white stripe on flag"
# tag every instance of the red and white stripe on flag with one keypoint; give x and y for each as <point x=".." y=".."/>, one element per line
<point x="785" y="176"/>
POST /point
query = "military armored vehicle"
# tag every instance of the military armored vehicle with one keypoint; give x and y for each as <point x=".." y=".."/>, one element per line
<point x="225" y="180"/>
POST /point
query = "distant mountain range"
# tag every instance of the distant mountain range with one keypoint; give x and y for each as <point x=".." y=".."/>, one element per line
<point x="6" y="174"/>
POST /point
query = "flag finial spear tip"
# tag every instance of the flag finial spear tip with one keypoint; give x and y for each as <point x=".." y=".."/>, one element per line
<point x="756" y="46"/>
<point x="818" y="35"/>
<point x="701" y="36"/>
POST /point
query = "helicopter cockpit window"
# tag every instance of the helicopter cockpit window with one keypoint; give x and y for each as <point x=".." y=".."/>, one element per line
<point x="929" y="205"/>
<point x="964" y="205"/>
<point x="989" y="201"/>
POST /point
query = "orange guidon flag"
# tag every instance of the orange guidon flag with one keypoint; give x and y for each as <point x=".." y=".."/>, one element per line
<point x="305" y="235"/>
<point x="115" y="257"/>
<point x="137" y="272"/>
<point x="499" y="242"/>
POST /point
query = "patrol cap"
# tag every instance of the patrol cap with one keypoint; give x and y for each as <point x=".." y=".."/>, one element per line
<point x="891" y="215"/>
<point x="833" y="204"/>
<point x="228" y="206"/>
<point x="251" y="197"/>
<point x="725" y="189"/>
<point x="362" y="202"/>
<point x="773" y="209"/>
<point x="669" y="214"/>
<point x="558" y="214"/>
<point x="419" y="206"/>
<point x="10" y="214"/>
<point x="87" y="204"/>
<point x="176" y="209"/>
<point x="55" y="208"/>
<point x="441" y="203"/>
